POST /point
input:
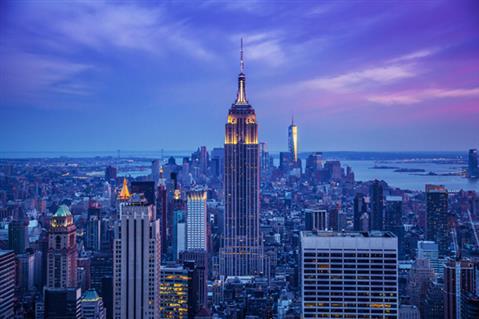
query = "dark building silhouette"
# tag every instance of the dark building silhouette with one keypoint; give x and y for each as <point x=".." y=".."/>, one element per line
<point x="18" y="231"/>
<point x="360" y="208"/>
<point x="62" y="303"/>
<point x="376" y="197"/>
<point x="110" y="173"/>
<point x="147" y="188"/>
<point x="437" y="217"/>
<point x="473" y="166"/>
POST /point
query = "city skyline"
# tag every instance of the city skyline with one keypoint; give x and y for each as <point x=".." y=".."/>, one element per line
<point x="69" y="86"/>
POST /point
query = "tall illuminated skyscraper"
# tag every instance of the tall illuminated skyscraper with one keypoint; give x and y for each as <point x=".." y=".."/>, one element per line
<point x="242" y="250"/>
<point x="293" y="141"/>
<point x="196" y="220"/>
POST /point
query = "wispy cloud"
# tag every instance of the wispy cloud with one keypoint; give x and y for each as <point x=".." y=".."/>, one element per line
<point x="411" y="97"/>
<point x="415" y="55"/>
<point x="353" y="80"/>
<point x="27" y="73"/>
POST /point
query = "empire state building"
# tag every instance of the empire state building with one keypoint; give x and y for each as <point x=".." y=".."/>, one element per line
<point x="242" y="251"/>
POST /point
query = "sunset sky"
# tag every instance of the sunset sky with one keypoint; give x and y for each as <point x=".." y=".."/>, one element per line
<point x="376" y="76"/>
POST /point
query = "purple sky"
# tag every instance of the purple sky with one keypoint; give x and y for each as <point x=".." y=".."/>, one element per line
<point x="378" y="76"/>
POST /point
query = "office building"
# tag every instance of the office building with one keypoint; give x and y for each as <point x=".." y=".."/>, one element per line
<point x="459" y="279"/>
<point x="136" y="261"/>
<point x="293" y="141"/>
<point x="437" y="228"/>
<point x="7" y="283"/>
<point x="92" y="305"/>
<point x="314" y="162"/>
<point x="376" y="196"/>
<point x="393" y="220"/>
<point x="196" y="220"/>
<point x="62" y="250"/>
<point x="93" y="227"/>
<point x="174" y="285"/>
<point x="349" y="275"/>
<point x="242" y="249"/>
<point x="197" y="260"/>
<point x="179" y="233"/>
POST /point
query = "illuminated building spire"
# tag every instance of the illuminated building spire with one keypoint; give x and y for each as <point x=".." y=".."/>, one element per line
<point x="241" y="95"/>
<point x="125" y="193"/>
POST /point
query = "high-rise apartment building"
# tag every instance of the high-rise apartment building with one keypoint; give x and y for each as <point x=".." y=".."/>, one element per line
<point x="196" y="220"/>
<point x="136" y="261"/>
<point x="242" y="252"/>
<point x="437" y="228"/>
<point x="62" y="250"/>
<point x="349" y="275"/>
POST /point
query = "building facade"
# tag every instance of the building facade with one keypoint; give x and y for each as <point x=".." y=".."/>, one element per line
<point x="136" y="262"/>
<point x="196" y="220"/>
<point x="7" y="283"/>
<point x="62" y="250"/>
<point x="349" y="275"/>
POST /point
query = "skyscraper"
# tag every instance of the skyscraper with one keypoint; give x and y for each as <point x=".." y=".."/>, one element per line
<point x="473" y="168"/>
<point x="242" y="250"/>
<point x="136" y="262"/>
<point x="93" y="227"/>
<point x="376" y="197"/>
<point x="458" y="280"/>
<point x="196" y="220"/>
<point x="393" y="220"/>
<point x="349" y="275"/>
<point x="437" y="217"/>
<point x="62" y="250"/>
<point x="293" y="141"/>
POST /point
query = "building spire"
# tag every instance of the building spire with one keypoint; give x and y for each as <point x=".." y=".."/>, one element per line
<point x="241" y="95"/>
<point x="241" y="58"/>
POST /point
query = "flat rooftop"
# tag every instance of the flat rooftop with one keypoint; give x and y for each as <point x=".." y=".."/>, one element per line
<point x="371" y="234"/>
